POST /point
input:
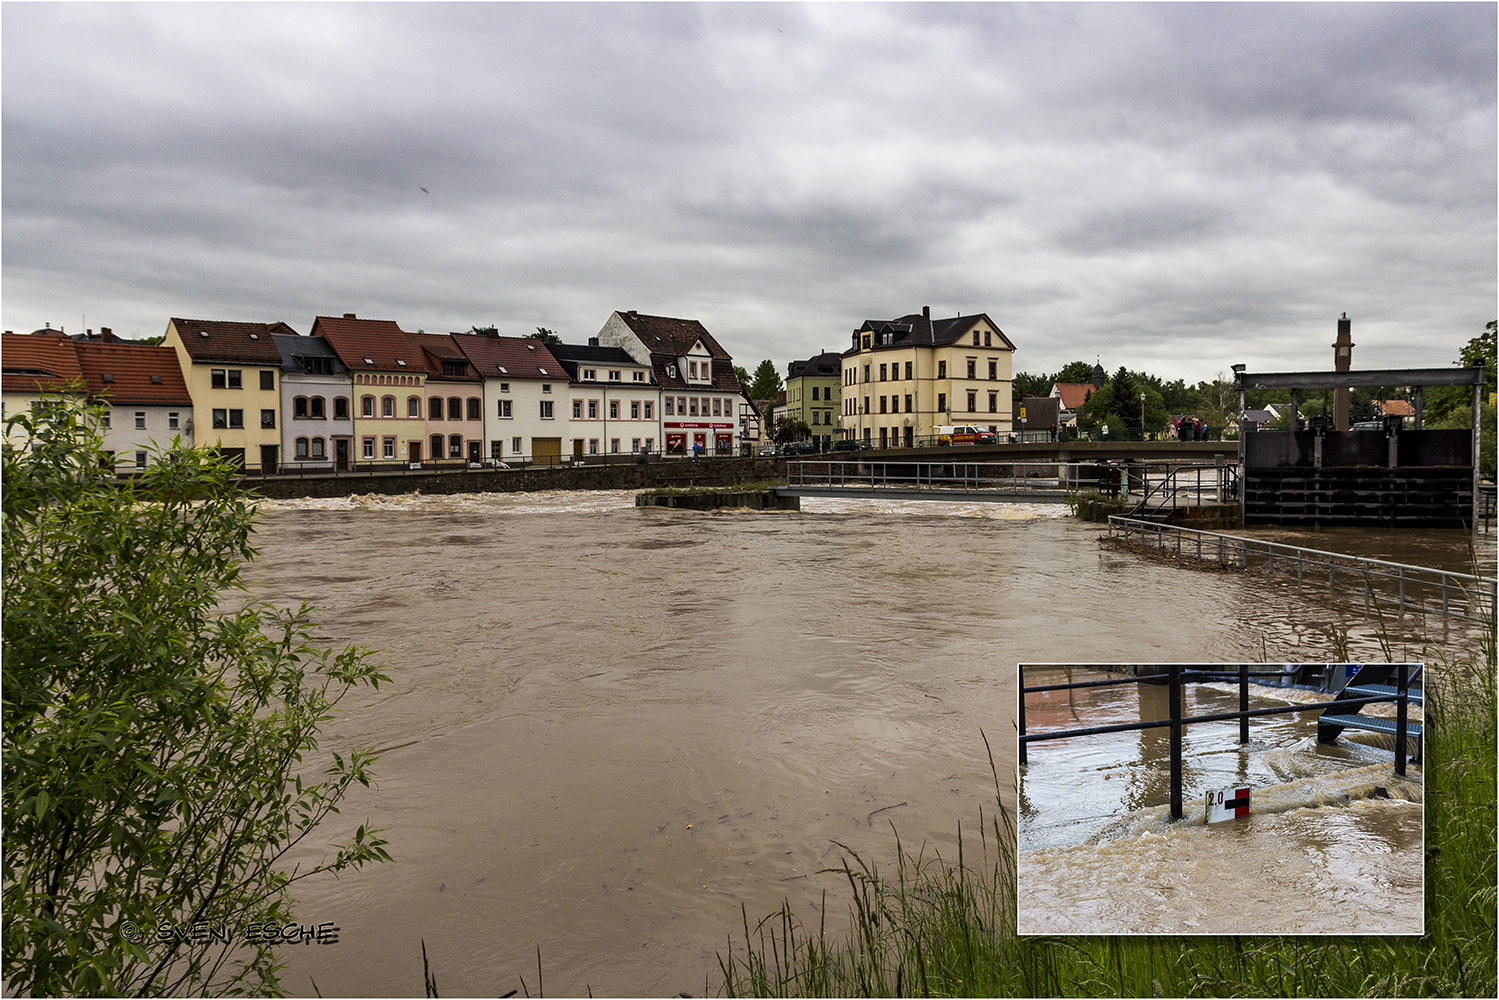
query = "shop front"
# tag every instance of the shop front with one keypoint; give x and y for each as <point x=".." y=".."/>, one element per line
<point x="699" y="438"/>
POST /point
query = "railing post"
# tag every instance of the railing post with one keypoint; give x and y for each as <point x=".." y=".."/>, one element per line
<point x="1403" y="673"/>
<point x="1244" y="702"/>
<point x="1174" y="698"/>
<point x="1021" y="671"/>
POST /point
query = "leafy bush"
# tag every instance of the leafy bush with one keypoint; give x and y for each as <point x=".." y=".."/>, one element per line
<point x="155" y="769"/>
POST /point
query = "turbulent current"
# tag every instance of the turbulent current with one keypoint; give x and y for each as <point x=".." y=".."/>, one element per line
<point x="611" y="727"/>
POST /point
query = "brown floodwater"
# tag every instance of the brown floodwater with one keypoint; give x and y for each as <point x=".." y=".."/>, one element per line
<point x="609" y="728"/>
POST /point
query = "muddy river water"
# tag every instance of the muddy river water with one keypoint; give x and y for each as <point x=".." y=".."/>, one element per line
<point x="610" y="728"/>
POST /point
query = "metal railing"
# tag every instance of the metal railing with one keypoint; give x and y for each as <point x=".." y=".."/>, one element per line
<point x="1418" y="588"/>
<point x="1178" y="483"/>
<point x="1178" y="675"/>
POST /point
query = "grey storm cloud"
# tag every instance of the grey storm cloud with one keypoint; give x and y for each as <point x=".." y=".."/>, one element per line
<point x="1176" y="187"/>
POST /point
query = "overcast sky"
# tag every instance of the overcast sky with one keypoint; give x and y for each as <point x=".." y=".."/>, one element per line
<point x="1173" y="188"/>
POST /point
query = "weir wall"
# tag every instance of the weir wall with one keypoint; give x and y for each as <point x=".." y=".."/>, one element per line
<point x="687" y="473"/>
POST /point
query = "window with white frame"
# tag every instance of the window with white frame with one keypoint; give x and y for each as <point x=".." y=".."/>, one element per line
<point x="389" y="449"/>
<point x="503" y="411"/>
<point x="140" y="420"/>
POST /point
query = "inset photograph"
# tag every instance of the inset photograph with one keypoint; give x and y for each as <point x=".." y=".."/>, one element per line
<point x="1221" y="799"/>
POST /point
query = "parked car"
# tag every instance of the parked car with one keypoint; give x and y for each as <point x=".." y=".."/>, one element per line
<point x="799" y="448"/>
<point x="850" y="444"/>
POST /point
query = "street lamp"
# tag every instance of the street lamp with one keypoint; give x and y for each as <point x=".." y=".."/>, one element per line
<point x="1142" y="416"/>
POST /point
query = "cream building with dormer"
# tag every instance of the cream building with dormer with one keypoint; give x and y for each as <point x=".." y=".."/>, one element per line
<point x="903" y="378"/>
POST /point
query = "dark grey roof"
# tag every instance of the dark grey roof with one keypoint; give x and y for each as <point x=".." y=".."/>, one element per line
<point x="917" y="329"/>
<point x="589" y="354"/>
<point x="824" y="365"/>
<point x="294" y="348"/>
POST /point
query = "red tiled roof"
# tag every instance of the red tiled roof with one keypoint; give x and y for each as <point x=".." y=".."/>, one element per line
<point x="229" y="342"/>
<point x="38" y="364"/>
<point x="436" y="348"/>
<point x="509" y="357"/>
<point x="139" y="374"/>
<point x="380" y="340"/>
<point x="1074" y="394"/>
<point x="1395" y="407"/>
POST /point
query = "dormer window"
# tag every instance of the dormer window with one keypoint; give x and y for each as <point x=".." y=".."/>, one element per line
<point x="692" y="369"/>
<point x="454" y="368"/>
<point x="590" y="375"/>
<point x="671" y="371"/>
<point x="614" y="376"/>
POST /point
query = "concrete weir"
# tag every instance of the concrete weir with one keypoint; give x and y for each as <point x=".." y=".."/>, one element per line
<point x="749" y="499"/>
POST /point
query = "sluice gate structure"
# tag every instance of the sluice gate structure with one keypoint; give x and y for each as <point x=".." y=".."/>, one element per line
<point x="1330" y="475"/>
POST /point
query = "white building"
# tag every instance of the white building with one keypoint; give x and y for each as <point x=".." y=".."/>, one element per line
<point x="317" y="422"/>
<point x="700" y="394"/>
<point x="525" y="397"/>
<point x="613" y="402"/>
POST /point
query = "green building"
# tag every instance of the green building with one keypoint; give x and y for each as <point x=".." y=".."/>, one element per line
<point x="813" y="390"/>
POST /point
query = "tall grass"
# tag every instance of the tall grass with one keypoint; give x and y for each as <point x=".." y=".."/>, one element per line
<point x="946" y="926"/>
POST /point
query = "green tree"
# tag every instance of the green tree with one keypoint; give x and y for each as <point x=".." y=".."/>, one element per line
<point x="767" y="381"/>
<point x="1075" y="371"/>
<point x="788" y="429"/>
<point x="485" y="331"/>
<point x="1025" y="384"/>
<point x="1447" y="404"/>
<point x="743" y="376"/>
<point x="160" y="754"/>
<point x="545" y="336"/>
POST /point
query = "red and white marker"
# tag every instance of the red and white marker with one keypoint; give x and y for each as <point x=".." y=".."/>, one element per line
<point x="1227" y="803"/>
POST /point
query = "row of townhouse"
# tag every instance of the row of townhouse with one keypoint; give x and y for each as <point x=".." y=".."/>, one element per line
<point x="902" y="378"/>
<point x="146" y="400"/>
<point x="362" y="391"/>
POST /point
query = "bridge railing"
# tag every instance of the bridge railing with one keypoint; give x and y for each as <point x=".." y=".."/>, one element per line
<point x="1175" y="482"/>
<point x="1398" y="585"/>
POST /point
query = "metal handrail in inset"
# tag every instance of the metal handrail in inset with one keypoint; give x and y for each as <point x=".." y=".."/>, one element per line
<point x="1176" y="676"/>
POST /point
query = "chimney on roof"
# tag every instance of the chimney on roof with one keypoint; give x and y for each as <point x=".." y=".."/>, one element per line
<point x="348" y="315"/>
<point x="106" y="335"/>
<point x="926" y="313"/>
<point x="593" y="341"/>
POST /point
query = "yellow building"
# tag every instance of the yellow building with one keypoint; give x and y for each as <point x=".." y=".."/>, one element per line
<point x="233" y="374"/>
<point x="903" y="378"/>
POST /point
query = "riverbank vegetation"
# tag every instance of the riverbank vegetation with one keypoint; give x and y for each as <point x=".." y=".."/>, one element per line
<point x="935" y="926"/>
<point x="161" y="753"/>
